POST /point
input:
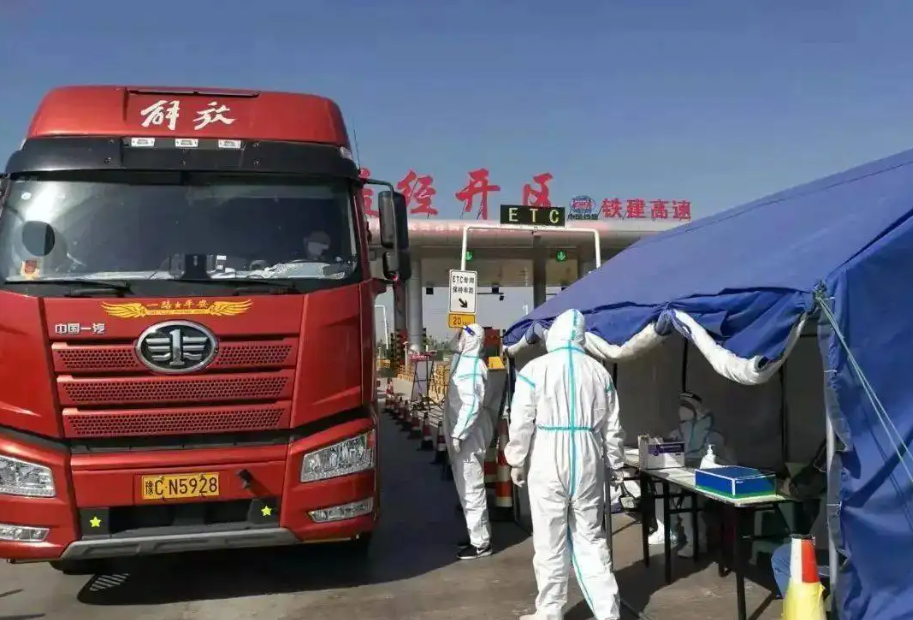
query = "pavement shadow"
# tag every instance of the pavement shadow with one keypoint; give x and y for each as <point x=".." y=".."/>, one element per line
<point x="417" y="534"/>
<point x="637" y="583"/>
<point x="18" y="616"/>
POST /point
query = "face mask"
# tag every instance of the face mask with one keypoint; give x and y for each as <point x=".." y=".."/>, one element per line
<point x="454" y="344"/>
<point x="316" y="249"/>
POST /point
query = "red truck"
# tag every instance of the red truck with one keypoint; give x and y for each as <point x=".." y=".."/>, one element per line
<point x="187" y="326"/>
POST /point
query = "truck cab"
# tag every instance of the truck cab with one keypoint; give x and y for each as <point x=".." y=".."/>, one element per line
<point x="186" y="326"/>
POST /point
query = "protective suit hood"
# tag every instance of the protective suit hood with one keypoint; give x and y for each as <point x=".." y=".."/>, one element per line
<point x="691" y="407"/>
<point x="471" y="340"/>
<point x="567" y="330"/>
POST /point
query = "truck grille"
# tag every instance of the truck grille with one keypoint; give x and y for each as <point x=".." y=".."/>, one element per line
<point x="105" y="391"/>
<point x="122" y="357"/>
<point x="174" y="421"/>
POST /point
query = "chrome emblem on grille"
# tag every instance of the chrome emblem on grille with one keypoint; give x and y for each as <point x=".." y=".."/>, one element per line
<point x="176" y="347"/>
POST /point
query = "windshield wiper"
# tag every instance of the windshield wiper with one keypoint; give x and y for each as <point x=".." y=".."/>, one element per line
<point x="91" y="287"/>
<point x="250" y="284"/>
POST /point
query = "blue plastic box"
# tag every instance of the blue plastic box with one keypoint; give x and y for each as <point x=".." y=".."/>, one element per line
<point x="735" y="482"/>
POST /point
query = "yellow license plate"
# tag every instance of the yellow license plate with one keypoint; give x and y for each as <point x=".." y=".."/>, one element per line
<point x="180" y="486"/>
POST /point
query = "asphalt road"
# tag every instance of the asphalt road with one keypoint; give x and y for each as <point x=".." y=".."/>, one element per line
<point x="411" y="571"/>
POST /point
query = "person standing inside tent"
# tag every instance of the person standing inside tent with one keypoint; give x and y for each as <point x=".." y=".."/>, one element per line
<point x="468" y="431"/>
<point x="704" y="446"/>
<point x="565" y="429"/>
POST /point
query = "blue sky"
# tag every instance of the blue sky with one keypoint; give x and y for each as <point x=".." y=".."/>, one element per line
<point x="712" y="101"/>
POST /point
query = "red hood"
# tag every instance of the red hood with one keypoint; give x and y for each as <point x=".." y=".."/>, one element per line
<point x="282" y="361"/>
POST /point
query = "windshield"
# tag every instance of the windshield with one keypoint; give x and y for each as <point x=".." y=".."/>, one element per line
<point x="145" y="226"/>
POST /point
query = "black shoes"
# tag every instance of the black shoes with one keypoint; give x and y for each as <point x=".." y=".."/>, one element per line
<point x="473" y="553"/>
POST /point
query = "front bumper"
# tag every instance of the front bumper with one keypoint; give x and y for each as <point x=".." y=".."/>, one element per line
<point x="109" y="485"/>
<point x="176" y="543"/>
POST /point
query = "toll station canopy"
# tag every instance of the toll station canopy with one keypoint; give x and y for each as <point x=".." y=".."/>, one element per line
<point x="839" y="250"/>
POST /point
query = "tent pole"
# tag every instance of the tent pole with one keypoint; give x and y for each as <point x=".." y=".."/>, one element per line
<point x="832" y="556"/>
<point x="685" y="365"/>
<point x="784" y="418"/>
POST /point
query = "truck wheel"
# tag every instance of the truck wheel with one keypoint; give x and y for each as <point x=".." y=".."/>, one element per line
<point x="78" y="567"/>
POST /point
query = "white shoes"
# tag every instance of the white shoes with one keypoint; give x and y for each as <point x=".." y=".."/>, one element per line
<point x="658" y="538"/>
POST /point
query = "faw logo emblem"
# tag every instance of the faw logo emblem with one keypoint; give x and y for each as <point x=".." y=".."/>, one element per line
<point x="168" y="308"/>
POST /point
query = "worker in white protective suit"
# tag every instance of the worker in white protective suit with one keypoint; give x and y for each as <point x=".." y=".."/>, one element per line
<point x="468" y="431"/>
<point x="704" y="447"/>
<point x="696" y="429"/>
<point x="564" y="427"/>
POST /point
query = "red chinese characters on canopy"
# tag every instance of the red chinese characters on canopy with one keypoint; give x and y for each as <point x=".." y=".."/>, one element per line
<point x="418" y="188"/>
<point x="538" y="196"/>
<point x="611" y="207"/>
<point x="367" y="194"/>
<point x="681" y="210"/>
<point x="658" y="210"/>
<point x="419" y="192"/>
<point x="478" y="186"/>
<point x="635" y="209"/>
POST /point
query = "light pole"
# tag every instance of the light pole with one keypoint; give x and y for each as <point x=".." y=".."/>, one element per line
<point x="383" y="310"/>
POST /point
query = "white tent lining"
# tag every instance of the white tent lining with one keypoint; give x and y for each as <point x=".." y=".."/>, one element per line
<point x="751" y="371"/>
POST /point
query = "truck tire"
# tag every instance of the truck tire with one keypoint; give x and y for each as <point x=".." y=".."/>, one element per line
<point x="78" y="567"/>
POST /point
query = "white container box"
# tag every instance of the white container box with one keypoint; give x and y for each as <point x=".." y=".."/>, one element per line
<point x="658" y="453"/>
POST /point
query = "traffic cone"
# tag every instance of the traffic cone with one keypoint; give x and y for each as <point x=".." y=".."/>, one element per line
<point x="415" y="430"/>
<point x="427" y="437"/>
<point x="389" y="397"/>
<point x="805" y="594"/>
<point x="504" y="488"/>
<point x="440" y="447"/>
<point x="405" y="416"/>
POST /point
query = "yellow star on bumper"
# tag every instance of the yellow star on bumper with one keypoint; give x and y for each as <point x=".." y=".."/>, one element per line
<point x="95" y="522"/>
<point x="266" y="511"/>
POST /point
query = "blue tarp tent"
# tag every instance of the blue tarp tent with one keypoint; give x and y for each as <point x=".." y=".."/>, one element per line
<point x="839" y="249"/>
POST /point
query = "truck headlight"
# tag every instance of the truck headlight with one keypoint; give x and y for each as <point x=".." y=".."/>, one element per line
<point x="22" y="533"/>
<point x="340" y="459"/>
<point x="346" y="511"/>
<point x="26" y="479"/>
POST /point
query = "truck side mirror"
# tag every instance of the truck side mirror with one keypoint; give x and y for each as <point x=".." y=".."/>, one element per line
<point x="394" y="223"/>
<point x="394" y="235"/>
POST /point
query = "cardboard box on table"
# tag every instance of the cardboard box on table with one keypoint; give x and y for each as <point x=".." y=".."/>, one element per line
<point x="657" y="453"/>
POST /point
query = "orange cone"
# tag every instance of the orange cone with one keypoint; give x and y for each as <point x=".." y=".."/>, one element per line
<point x="427" y="437"/>
<point x="504" y="488"/>
<point x="389" y="397"/>
<point x="406" y="416"/>
<point x="491" y="467"/>
<point x="805" y="594"/>
<point x="415" y="430"/>
<point x="440" y="448"/>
